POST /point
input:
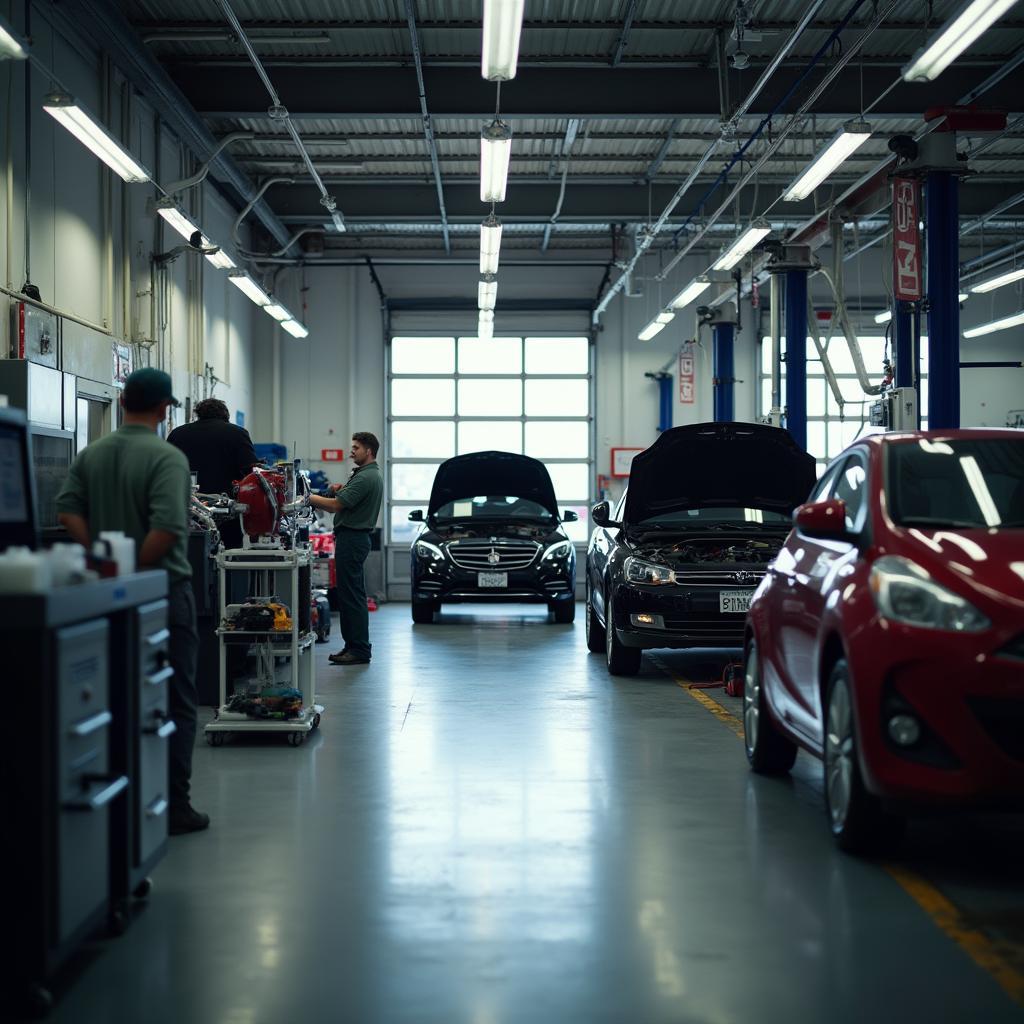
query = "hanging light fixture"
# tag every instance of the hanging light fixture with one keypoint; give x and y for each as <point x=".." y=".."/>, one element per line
<point x="187" y="228"/>
<point x="490" y="245"/>
<point x="849" y="138"/>
<point x="883" y="318"/>
<point x="68" y="112"/>
<point x="12" y="47"/>
<point x="278" y="312"/>
<point x="503" y="24"/>
<point x="295" y="329"/>
<point x="741" y="246"/>
<point x="971" y="20"/>
<point x="657" y="325"/>
<point x="495" y="153"/>
<point x="487" y="292"/>
<point x="244" y="283"/>
<point x="1014" y="320"/>
<point x="997" y="282"/>
<point x="695" y="288"/>
<point x="485" y="325"/>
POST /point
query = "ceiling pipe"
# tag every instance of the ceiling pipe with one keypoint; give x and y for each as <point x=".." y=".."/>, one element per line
<point x="107" y="26"/>
<point x="204" y="169"/>
<point x="708" y="154"/>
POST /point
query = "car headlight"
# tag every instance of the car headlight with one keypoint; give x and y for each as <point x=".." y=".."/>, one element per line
<point x="560" y="549"/>
<point x="431" y="552"/>
<point x="904" y="592"/>
<point x="639" y="571"/>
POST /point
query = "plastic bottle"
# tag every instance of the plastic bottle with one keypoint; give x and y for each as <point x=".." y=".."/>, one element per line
<point x="122" y="550"/>
<point x="23" y="572"/>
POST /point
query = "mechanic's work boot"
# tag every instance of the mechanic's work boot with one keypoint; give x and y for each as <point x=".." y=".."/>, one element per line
<point x="337" y="654"/>
<point x="348" y="658"/>
<point x="186" y="819"/>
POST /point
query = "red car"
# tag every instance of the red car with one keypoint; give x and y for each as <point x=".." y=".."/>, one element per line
<point x="887" y="637"/>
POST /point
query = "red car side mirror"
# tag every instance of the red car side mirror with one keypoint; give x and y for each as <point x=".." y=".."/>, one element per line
<point x="824" y="519"/>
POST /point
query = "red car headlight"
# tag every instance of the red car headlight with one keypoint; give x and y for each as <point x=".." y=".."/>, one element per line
<point x="905" y="592"/>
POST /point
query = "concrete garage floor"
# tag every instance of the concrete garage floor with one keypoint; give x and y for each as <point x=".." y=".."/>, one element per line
<point x="490" y="829"/>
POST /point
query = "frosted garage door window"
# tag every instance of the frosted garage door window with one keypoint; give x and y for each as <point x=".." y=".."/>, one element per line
<point x="412" y="481"/>
<point x="422" y="439"/>
<point x="571" y="481"/>
<point x="557" y="355"/>
<point x="557" y="440"/>
<point x="484" y="435"/>
<point x="557" y="397"/>
<point x="500" y="355"/>
<point x="402" y="531"/>
<point x="490" y="397"/>
<point x="423" y="397"/>
<point x="423" y="355"/>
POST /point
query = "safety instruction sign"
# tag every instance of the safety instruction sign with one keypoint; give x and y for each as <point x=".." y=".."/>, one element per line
<point x="687" y="393"/>
<point x="906" y="239"/>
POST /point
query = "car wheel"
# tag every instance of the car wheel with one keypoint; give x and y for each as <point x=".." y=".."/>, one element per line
<point x="858" y="822"/>
<point x="768" y="751"/>
<point x="564" y="611"/>
<point x="423" y="612"/>
<point x="622" y="660"/>
<point x="596" y="638"/>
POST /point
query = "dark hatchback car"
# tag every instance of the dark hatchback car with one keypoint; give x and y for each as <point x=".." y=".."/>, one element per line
<point x="708" y="506"/>
<point x="493" y="533"/>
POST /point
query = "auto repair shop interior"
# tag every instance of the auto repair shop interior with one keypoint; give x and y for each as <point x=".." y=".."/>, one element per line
<point x="597" y="589"/>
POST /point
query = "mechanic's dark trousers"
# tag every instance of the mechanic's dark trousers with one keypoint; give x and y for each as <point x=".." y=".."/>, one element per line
<point x="350" y="550"/>
<point x="181" y="621"/>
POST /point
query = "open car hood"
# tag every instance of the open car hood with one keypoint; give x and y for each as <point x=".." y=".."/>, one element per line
<point x="704" y="465"/>
<point x="492" y="473"/>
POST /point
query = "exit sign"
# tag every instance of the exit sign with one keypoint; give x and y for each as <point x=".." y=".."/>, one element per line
<point x="332" y="454"/>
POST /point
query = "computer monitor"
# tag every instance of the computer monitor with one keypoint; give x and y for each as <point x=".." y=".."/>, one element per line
<point x="18" y="523"/>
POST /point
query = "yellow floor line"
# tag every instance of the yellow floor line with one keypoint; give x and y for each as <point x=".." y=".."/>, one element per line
<point x="944" y="914"/>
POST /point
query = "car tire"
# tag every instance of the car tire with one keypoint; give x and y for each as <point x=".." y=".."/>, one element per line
<point x="423" y="612"/>
<point x="768" y="751"/>
<point x="622" y="660"/>
<point x="564" y="611"/>
<point x="856" y="817"/>
<point x="596" y="638"/>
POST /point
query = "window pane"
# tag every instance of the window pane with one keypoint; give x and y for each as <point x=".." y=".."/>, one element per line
<point x="816" y="397"/>
<point x="428" y="439"/>
<point x="816" y="439"/>
<point x="499" y="355"/>
<point x="571" y="480"/>
<point x="423" y="397"/>
<point x="557" y="398"/>
<point x="490" y="398"/>
<point x="578" y="532"/>
<point x="557" y="355"/>
<point x="402" y="531"/>
<point x="412" y="481"/>
<point x="422" y="355"/>
<point x="482" y="436"/>
<point x="555" y="440"/>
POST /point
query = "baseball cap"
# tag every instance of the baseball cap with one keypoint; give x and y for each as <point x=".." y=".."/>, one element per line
<point x="146" y="388"/>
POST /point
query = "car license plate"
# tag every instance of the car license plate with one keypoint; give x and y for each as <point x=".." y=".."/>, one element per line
<point x="492" y="579"/>
<point x="734" y="600"/>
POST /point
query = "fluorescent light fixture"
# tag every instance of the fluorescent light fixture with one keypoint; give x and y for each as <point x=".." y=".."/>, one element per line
<point x="487" y="292"/>
<point x="741" y="247"/>
<point x="13" y="48"/>
<point x="495" y="153"/>
<point x="173" y="214"/>
<point x="221" y="260"/>
<point x="487" y="316"/>
<point x="666" y="316"/>
<point x="242" y="281"/>
<point x="278" y="312"/>
<point x="656" y="326"/>
<point x="962" y="297"/>
<point x="490" y="245"/>
<point x="485" y="328"/>
<point x="996" y="325"/>
<point x="503" y="22"/>
<point x="339" y="223"/>
<point x="295" y="329"/>
<point x="849" y="138"/>
<point x="883" y="318"/>
<point x="998" y="282"/>
<point x="695" y="288"/>
<point x="970" y="21"/>
<point x="76" y="119"/>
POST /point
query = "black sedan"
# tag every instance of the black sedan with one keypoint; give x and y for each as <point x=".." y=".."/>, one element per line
<point x="493" y="533"/>
<point x="707" y="508"/>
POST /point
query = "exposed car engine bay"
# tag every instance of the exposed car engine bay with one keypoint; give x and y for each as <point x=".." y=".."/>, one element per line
<point x="717" y="550"/>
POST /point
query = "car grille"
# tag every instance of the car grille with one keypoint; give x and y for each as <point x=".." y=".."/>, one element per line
<point x="493" y="556"/>
<point x="1014" y="649"/>
<point x="723" y="628"/>
<point x="726" y="578"/>
<point x="556" y="586"/>
<point x="428" y="585"/>
<point x="1003" y="719"/>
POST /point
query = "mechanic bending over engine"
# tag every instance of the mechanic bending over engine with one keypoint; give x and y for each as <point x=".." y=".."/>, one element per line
<point x="219" y="453"/>
<point x="133" y="481"/>
<point x="356" y="505"/>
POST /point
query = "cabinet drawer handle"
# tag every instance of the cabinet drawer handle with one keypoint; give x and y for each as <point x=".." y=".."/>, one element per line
<point x="160" y="677"/>
<point x="156" y="808"/>
<point x="157" y="638"/>
<point x="161" y="732"/>
<point x="99" y="800"/>
<point x="90" y="725"/>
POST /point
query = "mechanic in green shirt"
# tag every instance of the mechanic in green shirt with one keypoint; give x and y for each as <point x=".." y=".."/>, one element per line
<point x="356" y="505"/>
<point x="134" y="481"/>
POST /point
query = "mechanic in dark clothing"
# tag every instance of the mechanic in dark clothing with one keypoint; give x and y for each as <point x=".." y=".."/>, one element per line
<point x="219" y="453"/>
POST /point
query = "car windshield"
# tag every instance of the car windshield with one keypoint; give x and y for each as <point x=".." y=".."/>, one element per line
<point x="957" y="484"/>
<point x="493" y="506"/>
<point x="724" y="517"/>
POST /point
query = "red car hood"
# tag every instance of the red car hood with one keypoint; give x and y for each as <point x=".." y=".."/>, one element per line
<point x="982" y="561"/>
